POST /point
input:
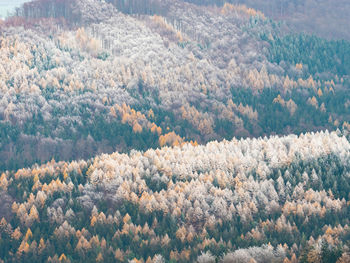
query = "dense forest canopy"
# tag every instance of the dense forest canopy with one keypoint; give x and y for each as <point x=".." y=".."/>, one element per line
<point x="80" y="78"/>
<point x="160" y="131"/>
<point x="275" y="199"/>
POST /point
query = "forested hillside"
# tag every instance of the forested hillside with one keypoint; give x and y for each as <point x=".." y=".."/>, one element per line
<point x="172" y="131"/>
<point x="326" y="18"/>
<point x="79" y="78"/>
<point x="268" y="200"/>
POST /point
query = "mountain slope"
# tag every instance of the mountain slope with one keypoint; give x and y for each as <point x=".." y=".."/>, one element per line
<point x="116" y="127"/>
<point x="82" y="78"/>
<point x="176" y="202"/>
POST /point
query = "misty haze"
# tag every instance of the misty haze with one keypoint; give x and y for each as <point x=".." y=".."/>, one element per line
<point x="9" y="6"/>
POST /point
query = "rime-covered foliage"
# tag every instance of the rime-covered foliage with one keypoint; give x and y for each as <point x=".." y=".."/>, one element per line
<point x="274" y="199"/>
<point x="83" y="77"/>
<point x="129" y="108"/>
